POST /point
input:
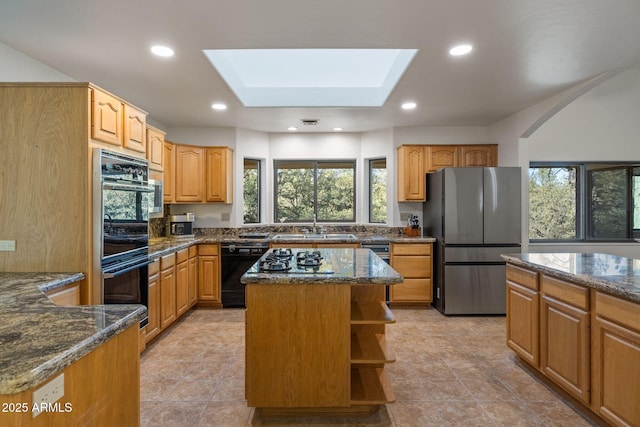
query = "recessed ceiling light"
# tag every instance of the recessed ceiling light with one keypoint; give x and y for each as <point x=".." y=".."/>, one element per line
<point x="162" y="51"/>
<point x="292" y="128"/>
<point x="461" y="49"/>
<point x="409" y="105"/>
<point x="219" y="106"/>
<point x="338" y="129"/>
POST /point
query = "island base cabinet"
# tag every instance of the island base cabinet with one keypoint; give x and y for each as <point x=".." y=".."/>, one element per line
<point x="616" y="361"/>
<point x="100" y="389"/>
<point x="298" y="346"/>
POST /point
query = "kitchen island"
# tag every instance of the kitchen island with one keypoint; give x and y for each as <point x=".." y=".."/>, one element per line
<point x="315" y="334"/>
<point x="91" y="352"/>
<point x="575" y="319"/>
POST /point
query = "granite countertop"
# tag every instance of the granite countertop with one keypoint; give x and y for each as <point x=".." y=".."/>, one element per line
<point x="38" y="339"/>
<point x="339" y="266"/>
<point x="615" y="275"/>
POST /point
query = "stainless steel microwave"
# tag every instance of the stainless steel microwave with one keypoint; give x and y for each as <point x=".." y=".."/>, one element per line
<point x="155" y="198"/>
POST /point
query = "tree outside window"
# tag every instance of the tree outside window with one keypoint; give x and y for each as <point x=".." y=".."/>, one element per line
<point x="378" y="191"/>
<point x="251" y="182"/>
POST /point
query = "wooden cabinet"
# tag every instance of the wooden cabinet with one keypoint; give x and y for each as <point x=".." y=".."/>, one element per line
<point x="192" y="288"/>
<point x="155" y="148"/>
<point x="135" y="136"/>
<point x="413" y="261"/>
<point x="565" y="336"/>
<point x="411" y="173"/>
<point x="167" y="290"/>
<point x="66" y="295"/>
<point x="189" y="176"/>
<point x="478" y="155"/>
<point x="182" y="281"/>
<point x="442" y="156"/>
<point x="523" y="312"/>
<point x="616" y="360"/>
<point x="153" y="304"/>
<point x="219" y="174"/>
<point x="209" y="276"/>
<point x="169" y="174"/>
<point x="106" y="118"/>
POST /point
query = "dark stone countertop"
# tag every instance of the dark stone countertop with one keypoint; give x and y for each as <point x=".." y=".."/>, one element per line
<point x="612" y="274"/>
<point x="38" y="339"/>
<point x="339" y="266"/>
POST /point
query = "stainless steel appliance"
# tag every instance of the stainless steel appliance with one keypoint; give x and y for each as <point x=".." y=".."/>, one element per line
<point x="475" y="215"/>
<point x="121" y="206"/>
<point x="181" y="225"/>
<point x="236" y="258"/>
<point x="155" y="198"/>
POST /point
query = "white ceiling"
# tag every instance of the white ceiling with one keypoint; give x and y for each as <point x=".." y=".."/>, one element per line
<point x="524" y="52"/>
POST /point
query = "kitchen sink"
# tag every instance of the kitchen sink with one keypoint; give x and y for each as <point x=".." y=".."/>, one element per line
<point x="315" y="236"/>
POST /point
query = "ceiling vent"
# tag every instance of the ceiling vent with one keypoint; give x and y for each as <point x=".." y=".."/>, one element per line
<point x="309" y="122"/>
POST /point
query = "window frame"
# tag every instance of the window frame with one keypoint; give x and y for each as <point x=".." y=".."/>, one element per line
<point x="259" y="193"/>
<point x="315" y="163"/>
<point x="583" y="200"/>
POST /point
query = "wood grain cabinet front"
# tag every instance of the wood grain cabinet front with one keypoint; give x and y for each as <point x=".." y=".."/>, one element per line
<point x="155" y="148"/>
<point x="523" y="314"/>
<point x="442" y="156"/>
<point x="193" y="276"/>
<point x="135" y="131"/>
<point x="478" y="155"/>
<point x="153" y="304"/>
<point x="209" y="292"/>
<point x="411" y="173"/>
<point x="106" y="118"/>
<point x="219" y="174"/>
<point x="182" y="282"/>
<point x="413" y="261"/>
<point x="167" y="290"/>
<point x="189" y="174"/>
<point x="169" y="172"/>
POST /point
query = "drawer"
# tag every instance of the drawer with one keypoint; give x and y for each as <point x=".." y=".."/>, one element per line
<point x="182" y="256"/>
<point x="412" y="290"/>
<point x="523" y="277"/>
<point x="167" y="261"/>
<point x="623" y="312"/>
<point x="193" y="251"/>
<point x="567" y="292"/>
<point x="154" y="267"/>
<point x="411" y="249"/>
<point x="412" y="266"/>
<point x="208" y="250"/>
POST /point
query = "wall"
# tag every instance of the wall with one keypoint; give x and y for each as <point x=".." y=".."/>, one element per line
<point x="18" y="67"/>
<point x="376" y="145"/>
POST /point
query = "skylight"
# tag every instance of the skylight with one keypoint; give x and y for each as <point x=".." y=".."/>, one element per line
<point x="311" y="77"/>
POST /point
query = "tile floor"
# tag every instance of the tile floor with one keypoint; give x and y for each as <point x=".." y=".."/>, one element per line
<point x="450" y="371"/>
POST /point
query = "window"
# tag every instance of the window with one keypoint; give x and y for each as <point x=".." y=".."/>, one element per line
<point x="306" y="188"/>
<point x="251" y="180"/>
<point x="378" y="191"/>
<point x="584" y="202"/>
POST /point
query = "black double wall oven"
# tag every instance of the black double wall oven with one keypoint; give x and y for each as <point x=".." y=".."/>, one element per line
<point x="121" y="205"/>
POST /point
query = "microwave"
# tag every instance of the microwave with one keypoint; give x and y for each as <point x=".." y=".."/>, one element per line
<point x="155" y="198"/>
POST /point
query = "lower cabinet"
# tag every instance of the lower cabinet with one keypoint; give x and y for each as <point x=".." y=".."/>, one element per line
<point x="167" y="290"/>
<point x="66" y="295"/>
<point x="153" y="305"/>
<point x="413" y="261"/>
<point x="209" y="293"/>
<point x="616" y="360"/>
<point x="523" y="314"/>
<point x="182" y="281"/>
<point x="192" y="288"/>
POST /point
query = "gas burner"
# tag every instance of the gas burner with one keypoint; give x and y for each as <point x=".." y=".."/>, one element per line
<point x="306" y="259"/>
<point x="283" y="253"/>
<point x="274" y="266"/>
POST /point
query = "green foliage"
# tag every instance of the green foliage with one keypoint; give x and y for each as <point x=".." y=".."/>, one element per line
<point x="251" y="196"/>
<point x="378" y="195"/>
<point x="552" y="203"/>
<point x="609" y="203"/>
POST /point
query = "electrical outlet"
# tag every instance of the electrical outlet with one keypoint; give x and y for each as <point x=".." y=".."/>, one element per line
<point x="8" y="245"/>
<point x="48" y="394"/>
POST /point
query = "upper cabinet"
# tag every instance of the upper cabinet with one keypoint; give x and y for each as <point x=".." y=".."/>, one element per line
<point x="117" y="123"/>
<point x="189" y="168"/>
<point x="168" y="173"/>
<point x="414" y="161"/>
<point x="219" y="167"/>
<point x="155" y="148"/>
<point x="411" y="170"/>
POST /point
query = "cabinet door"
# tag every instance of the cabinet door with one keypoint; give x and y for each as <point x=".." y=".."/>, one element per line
<point x="167" y="297"/>
<point x="523" y="321"/>
<point x="182" y="287"/>
<point x="412" y="290"/>
<point x="442" y="156"/>
<point x="169" y="172"/>
<point x="219" y="174"/>
<point x="193" y="281"/>
<point x="208" y="278"/>
<point x="153" y="307"/>
<point x="479" y="155"/>
<point x="106" y="118"/>
<point x="189" y="186"/>
<point x="415" y="264"/>
<point x="565" y="345"/>
<point x="135" y="129"/>
<point x="155" y="149"/>
<point x="411" y="174"/>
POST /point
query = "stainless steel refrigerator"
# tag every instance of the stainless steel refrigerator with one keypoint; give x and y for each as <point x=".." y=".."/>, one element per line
<point x="475" y="215"/>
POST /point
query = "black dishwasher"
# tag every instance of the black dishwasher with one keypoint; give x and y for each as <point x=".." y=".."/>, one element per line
<point x="237" y="258"/>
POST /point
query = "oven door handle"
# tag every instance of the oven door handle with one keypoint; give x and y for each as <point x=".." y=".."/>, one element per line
<point x="111" y="274"/>
<point x="127" y="187"/>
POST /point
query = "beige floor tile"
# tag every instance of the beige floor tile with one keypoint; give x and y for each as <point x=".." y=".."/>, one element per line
<point x="194" y="390"/>
<point x="177" y="414"/>
<point x="511" y="413"/>
<point x="225" y="414"/>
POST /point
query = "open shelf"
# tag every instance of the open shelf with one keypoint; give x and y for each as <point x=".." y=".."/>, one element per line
<point x="369" y="385"/>
<point x="368" y="313"/>
<point x="370" y="349"/>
